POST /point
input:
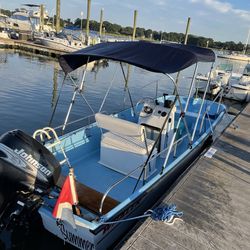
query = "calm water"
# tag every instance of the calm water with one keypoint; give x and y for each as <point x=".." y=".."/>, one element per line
<point x="30" y="85"/>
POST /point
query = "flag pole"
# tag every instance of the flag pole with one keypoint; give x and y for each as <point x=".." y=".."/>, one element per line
<point x="76" y="209"/>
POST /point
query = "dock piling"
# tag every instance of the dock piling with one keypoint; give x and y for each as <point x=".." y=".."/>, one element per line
<point x="134" y="27"/>
<point x="88" y="17"/>
<point x="41" y="26"/>
<point x="58" y="26"/>
<point x="101" y="22"/>
<point x="185" y="42"/>
<point x="187" y="30"/>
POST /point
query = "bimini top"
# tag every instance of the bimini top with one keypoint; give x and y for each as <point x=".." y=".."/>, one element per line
<point x="161" y="58"/>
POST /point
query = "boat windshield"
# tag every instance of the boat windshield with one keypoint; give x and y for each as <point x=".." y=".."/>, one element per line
<point x="227" y="67"/>
<point x="20" y="17"/>
<point x="61" y="35"/>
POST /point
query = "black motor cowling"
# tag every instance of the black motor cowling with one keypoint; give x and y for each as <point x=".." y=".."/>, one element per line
<point x="25" y="164"/>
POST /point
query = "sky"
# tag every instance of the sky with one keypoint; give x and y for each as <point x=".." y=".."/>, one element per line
<point x="222" y="20"/>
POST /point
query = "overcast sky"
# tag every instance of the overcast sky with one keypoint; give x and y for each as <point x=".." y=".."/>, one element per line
<point x="227" y="20"/>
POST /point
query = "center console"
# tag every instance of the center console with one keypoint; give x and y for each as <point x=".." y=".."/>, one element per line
<point x="153" y="119"/>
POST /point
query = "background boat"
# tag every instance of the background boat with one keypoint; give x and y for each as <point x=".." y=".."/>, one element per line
<point x="235" y="56"/>
<point x="20" y="21"/>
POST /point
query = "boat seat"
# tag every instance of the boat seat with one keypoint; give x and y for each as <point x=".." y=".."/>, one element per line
<point x="124" y="147"/>
<point x="127" y="143"/>
<point x="90" y="198"/>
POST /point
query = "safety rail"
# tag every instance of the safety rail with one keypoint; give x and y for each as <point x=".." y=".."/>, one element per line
<point x="46" y="131"/>
<point x="92" y="115"/>
<point x="208" y="109"/>
<point x="76" y="121"/>
<point x="130" y="173"/>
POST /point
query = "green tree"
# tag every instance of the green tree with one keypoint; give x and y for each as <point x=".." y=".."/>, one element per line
<point x="127" y="31"/>
<point x="140" y="32"/>
<point x="148" y="33"/>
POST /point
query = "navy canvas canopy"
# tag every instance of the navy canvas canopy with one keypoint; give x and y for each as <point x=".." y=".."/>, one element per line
<point x="161" y="58"/>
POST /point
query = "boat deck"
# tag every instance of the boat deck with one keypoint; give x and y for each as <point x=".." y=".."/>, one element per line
<point x="214" y="197"/>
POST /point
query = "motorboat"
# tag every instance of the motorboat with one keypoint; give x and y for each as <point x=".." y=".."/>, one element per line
<point x="61" y="41"/>
<point x="35" y="17"/>
<point x="235" y="56"/>
<point x="4" y="34"/>
<point x="219" y="78"/>
<point x="20" y="21"/>
<point x="3" y="21"/>
<point x="116" y="167"/>
<point x="4" y="27"/>
<point x="239" y="89"/>
<point x="238" y="92"/>
<point x="245" y="78"/>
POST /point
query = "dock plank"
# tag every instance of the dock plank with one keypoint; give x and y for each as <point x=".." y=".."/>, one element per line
<point x="214" y="196"/>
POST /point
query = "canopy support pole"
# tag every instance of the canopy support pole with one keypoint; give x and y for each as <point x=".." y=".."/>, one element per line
<point x="78" y="89"/>
<point x="110" y="86"/>
<point x="182" y="116"/>
<point x="202" y="103"/>
<point x="191" y="86"/>
<point x="126" y="87"/>
<point x="83" y="77"/>
<point x="70" y="107"/>
<point x="83" y="97"/>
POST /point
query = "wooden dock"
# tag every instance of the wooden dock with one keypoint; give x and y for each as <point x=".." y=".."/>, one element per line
<point x="214" y="196"/>
<point x="30" y="47"/>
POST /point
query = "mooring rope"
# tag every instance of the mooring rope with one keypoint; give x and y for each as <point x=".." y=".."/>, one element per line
<point x="167" y="214"/>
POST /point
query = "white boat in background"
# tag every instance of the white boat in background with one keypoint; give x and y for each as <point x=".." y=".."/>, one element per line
<point x="61" y="41"/>
<point x="3" y="21"/>
<point x="20" y="21"/>
<point x="219" y="78"/>
<point x="238" y="92"/>
<point x="4" y="34"/>
<point x="35" y="17"/>
<point x="238" y="56"/>
<point x="239" y="89"/>
<point x="235" y="56"/>
<point x="4" y="27"/>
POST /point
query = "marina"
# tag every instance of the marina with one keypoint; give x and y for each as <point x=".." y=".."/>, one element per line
<point x="213" y="196"/>
<point x="133" y="139"/>
<point x="30" y="47"/>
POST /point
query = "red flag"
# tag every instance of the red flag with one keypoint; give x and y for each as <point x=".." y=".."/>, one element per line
<point x="67" y="198"/>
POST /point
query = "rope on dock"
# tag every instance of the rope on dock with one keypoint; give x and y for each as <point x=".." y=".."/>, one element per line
<point x="167" y="214"/>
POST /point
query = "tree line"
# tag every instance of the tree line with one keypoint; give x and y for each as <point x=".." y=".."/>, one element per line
<point x="142" y="33"/>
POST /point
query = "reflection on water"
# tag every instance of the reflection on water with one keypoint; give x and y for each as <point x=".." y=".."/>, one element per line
<point x="55" y="86"/>
<point x="3" y="57"/>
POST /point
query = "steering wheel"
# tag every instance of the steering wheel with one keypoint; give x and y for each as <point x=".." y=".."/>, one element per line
<point x="148" y="107"/>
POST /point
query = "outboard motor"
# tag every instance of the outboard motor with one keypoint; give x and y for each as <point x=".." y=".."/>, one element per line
<point x="28" y="170"/>
<point x="26" y="163"/>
